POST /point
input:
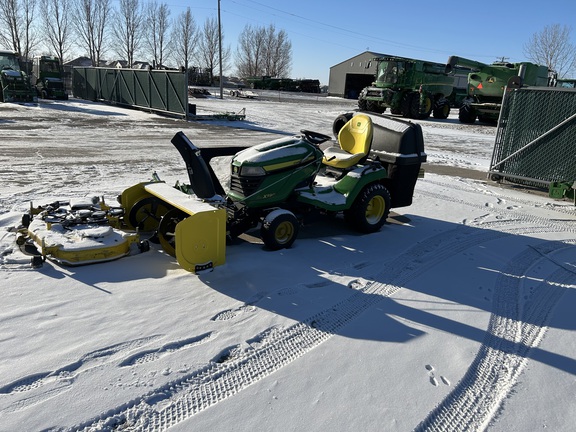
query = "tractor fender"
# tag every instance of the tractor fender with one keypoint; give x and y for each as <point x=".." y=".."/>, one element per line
<point x="356" y="180"/>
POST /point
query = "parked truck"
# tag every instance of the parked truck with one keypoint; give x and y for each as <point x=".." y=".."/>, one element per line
<point x="413" y="88"/>
<point x="487" y="83"/>
<point x="47" y="76"/>
<point x="15" y="83"/>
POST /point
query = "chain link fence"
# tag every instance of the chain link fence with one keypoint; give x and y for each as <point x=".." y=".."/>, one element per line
<point x="536" y="137"/>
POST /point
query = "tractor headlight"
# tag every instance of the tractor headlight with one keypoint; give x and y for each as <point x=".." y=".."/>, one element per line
<point x="252" y="171"/>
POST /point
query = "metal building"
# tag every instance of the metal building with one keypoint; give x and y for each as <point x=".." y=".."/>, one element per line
<point x="347" y="79"/>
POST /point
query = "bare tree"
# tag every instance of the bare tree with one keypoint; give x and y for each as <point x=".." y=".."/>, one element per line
<point x="250" y="52"/>
<point x="208" y="52"/>
<point x="552" y="47"/>
<point x="184" y="38"/>
<point x="56" y="26"/>
<point x="156" y="36"/>
<point x="263" y="51"/>
<point x="277" y="53"/>
<point x="91" y="19"/>
<point x="128" y="29"/>
<point x="17" y="25"/>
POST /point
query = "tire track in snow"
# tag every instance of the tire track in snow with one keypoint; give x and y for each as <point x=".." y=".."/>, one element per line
<point x="228" y="375"/>
<point x="503" y="198"/>
<point x="513" y="330"/>
<point x="235" y="370"/>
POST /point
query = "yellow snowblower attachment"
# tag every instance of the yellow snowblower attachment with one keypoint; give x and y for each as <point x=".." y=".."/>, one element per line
<point x="188" y="228"/>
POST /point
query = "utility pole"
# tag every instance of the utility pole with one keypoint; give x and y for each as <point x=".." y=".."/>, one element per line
<point x="220" y="51"/>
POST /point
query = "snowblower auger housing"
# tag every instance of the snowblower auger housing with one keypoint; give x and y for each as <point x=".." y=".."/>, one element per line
<point x="188" y="228"/>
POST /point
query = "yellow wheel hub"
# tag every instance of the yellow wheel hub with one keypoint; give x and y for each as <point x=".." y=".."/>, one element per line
<point x="375" y="210"/>
<point x="284" y="232"/>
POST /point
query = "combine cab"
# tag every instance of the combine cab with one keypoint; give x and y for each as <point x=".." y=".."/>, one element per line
<point x="15" y="83"/>
<point x="47" y="77"/>
<point x="413" y="88"/>
<point x="487" y="83"/>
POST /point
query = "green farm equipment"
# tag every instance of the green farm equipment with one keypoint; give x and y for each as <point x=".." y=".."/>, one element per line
<point x="563" y="190"/>
<point x="372" y="167"/>
<point x="275" y="187"/>
<point x="15" y="82"/>
<point x="487" y="83"/>
<point x="413" y="88"/>
<point x="47" y="76"/>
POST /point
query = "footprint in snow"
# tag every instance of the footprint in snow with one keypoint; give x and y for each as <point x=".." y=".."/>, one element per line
<point x="432" y="376"/>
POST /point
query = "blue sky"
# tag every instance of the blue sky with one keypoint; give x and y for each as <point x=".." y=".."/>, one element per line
<point x="326" y="33"/>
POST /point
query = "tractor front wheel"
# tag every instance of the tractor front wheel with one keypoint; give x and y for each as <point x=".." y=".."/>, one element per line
<point x="279" y="229"/>
<point x="370" y="210"/>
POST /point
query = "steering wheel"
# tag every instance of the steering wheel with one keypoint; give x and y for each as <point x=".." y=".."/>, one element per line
<point x="315" y="137"/>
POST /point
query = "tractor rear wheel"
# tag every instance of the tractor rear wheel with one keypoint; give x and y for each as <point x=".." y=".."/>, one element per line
<point x="467" y="114"/>
<point x="442" y="111"/>
<point x="279" y="229"/>
<point x="370" y="210"/>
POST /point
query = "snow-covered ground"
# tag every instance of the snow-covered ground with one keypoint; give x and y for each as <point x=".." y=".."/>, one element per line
<point x="458" y="315"/>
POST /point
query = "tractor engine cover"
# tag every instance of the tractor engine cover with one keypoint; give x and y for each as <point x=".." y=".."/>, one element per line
<point x="268" y="173"/>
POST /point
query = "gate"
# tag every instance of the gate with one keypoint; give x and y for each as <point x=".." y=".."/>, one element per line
<point x="536" y="137"/>
<point x="155" y="90"/>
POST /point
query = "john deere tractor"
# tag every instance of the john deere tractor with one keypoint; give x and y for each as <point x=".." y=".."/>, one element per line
<point x="371" y="167"/>
<point x="48" y="78"/>
<point x="487" y="83"/>
<point x="413" y="88"/>
<point x="15" y="82"/>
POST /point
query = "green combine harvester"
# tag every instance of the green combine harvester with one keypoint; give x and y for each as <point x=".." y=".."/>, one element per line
<point x="487" y="83"/>
<point x="413" y="88"/>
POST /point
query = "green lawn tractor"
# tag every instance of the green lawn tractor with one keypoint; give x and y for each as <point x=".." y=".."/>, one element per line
<point x="372" y="167"/>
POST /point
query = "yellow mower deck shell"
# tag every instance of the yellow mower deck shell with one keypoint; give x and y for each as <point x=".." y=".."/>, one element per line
<point x="201" y="237"/>
<point x="82" y="244"/>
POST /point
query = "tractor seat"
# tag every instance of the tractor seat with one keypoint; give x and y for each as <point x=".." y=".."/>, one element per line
<point x="354" y="139"/>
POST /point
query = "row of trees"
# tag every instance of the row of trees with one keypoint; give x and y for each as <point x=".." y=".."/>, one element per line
<point x="137" y="30"/>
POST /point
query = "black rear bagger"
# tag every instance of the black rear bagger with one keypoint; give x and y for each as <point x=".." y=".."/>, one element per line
<point x="399" y="145"/>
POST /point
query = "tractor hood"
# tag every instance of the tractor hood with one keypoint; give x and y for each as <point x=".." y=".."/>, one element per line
<point x="11" y="73"/>
<point x="277" y="155"/>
